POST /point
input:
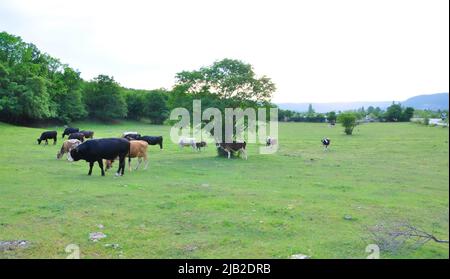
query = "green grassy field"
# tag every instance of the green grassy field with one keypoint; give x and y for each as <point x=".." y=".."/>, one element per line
<point x="196" y="205"/>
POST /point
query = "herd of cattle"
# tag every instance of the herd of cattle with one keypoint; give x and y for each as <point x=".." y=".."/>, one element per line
<point x="131" y="145"/>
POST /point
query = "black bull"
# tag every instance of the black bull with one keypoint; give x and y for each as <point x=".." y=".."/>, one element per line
<point x="98" y="149"/>
<point x="151" y="140"/>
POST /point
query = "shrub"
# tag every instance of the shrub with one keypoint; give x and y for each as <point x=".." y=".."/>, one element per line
<point x="348" y="120"/>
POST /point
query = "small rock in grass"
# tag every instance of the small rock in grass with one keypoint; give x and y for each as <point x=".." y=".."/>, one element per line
<point x="12" y="245"/>
<point x="205" y="185"/>
<point x="96" y="236"/>
<point x="300" y="257"/>
<point x="190" y="248"/>
<point x="348" y="217"/>
<point x="100" y="226"/>
<point x="113" y="245"/>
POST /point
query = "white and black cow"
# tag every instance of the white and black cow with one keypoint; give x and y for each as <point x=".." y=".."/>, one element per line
<point x="326" y="142"/>
<point x="70" y="130"/>
<point x="48" y="135"/>
<point x="131" y="135"/>
<point x="271" y="141"/>
<point x="98" y="149"/>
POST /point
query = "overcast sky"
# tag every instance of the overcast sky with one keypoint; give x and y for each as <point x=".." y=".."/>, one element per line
<point x="315" y="51"/>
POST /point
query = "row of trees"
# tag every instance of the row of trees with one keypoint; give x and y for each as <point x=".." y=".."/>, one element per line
<point x="37" y="87"/>
<point x="394" y="113"/>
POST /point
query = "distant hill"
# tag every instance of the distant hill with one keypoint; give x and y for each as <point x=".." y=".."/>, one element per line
<point x="433" y="102"/>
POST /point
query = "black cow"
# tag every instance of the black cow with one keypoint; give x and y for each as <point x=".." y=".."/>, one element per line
<point x="78" y="136"/>
<point x="88" y="134"/>
<point x="200" y="145"/>
<point x="151" y="140"/>
<point x="69" y="131"/>
<point x="48" y="135"/>
<point x="132" y="136"/>
<point x="98" y="149"/>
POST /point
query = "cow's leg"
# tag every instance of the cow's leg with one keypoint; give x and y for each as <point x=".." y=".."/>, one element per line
<point x="146" y="161"/>
<point x="91" y="164"/>
<point x="46" y="141"/>
<point x="54" y="141"/>
<point x="139" y="163"/>
<point x="245" y="153"/>
<point x="229" y="154"/>
<point x="129" y="165"/>
<point x="123" y="164"/>
<point x="121" y="169"/>
<point x="100" y="164"/>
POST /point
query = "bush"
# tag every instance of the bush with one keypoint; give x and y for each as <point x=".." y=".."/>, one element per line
<point x="348" y="120"/>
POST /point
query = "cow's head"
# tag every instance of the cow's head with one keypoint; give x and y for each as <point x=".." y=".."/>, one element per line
<point x="60" y="153"/>
<point x="39" y="141"/>
<point x="75" y="154"/>
<point x="108" y="164"/>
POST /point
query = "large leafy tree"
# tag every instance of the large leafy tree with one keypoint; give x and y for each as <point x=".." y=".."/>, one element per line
<point x="228" y="79"/>
<point x="155" y="106"/>
<point x="104" y="99"/>
<point x="36" y="86"/>
<point x="394" y="113"/>
<point x="227" y="83"/>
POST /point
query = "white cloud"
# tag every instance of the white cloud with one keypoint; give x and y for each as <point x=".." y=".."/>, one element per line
<point x="315" y="51"/>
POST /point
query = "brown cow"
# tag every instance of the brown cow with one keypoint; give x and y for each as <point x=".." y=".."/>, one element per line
<point x="138" y="148"/>
<point x="88" y="134"/>
<point x="66" y="147"/>
<point x="234" y="147"/>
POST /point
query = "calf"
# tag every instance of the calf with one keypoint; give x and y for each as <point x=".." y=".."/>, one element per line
<point x="67" y="146"/>
<point x="326" y="142"/>
<point x="200" y="145"/>
<point x="234" y="147"/>
<point x="69" y="131"/>
<point x="48" y="135"/>
<point x="78" y="136"/>
<point x="138" y="148"/>
<point x="151" y="140"/>
<point x="98" y="149"/>
<point x="131" y="135"/>
<point x="88" y="134"/>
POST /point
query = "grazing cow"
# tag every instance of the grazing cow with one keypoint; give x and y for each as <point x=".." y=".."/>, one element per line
<point x="131" y="135"/>
<point x="66" y="147"/>
<point x="271" y="141"/>
<point x="326" y="142"/>
<point x="234" y="147"/>
<point x="98" y="149"/>
<point x="200" y="145"/>
<point x="151" y="140"/>
<point x="69" y="131"/>
<point x="48" y="135"/>
<point x="88" y="134"/>
<point x="78" y="136"/>
<point x="138" y="148"/>
<point x="187" y="142"/>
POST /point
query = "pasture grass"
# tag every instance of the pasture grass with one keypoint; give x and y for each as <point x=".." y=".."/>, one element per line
<point x="196" y="205"/>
